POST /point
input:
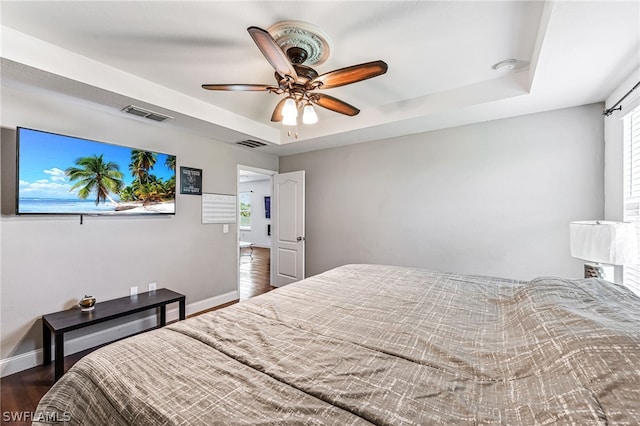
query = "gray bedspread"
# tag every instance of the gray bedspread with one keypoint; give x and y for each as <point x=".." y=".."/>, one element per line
<point x="386" y="345"/>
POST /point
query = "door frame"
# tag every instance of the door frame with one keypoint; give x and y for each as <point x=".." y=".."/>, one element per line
<point x="269" y="173"/>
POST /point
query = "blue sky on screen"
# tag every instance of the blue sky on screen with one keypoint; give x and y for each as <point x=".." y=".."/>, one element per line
<point x="45" y="156"/>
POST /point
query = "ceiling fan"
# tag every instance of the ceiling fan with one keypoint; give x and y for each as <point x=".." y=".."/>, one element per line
<point x="300" y="82"/>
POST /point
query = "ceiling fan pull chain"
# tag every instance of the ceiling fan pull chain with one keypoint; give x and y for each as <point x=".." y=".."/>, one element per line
<point x="295" y="132"/>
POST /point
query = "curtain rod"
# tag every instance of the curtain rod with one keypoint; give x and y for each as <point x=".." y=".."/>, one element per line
<point x="609" y="111"/>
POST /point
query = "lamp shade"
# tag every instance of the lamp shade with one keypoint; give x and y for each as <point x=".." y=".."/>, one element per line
<point x="614" y="243"/>
<point x="290" y="109"/>
<point x="309" y="115"/>
<point x="289" y="120"/>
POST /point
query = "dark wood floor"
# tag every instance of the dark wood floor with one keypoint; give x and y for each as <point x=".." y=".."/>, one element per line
<point x="255" y="272"/>
<point x="20" y="392"/>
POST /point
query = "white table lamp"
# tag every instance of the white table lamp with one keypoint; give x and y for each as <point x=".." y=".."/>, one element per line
<point x="605" y="243"/>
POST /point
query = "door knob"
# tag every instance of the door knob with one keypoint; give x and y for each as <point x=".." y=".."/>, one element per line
<point x="299" y="239"/>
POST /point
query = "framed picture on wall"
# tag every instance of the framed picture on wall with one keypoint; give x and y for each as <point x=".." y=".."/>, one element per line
<point x="190" y="181"/>
<point x="267" y="207"/>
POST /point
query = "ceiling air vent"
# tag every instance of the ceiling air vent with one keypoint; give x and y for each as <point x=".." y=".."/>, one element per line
<point x="145" y="113"/>
<point x="251" y="143"/>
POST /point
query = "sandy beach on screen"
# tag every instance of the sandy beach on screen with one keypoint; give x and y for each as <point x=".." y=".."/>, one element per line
<point x="137" y="208"/>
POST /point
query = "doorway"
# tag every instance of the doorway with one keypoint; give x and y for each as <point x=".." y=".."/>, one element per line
<point x="255" y="187"/>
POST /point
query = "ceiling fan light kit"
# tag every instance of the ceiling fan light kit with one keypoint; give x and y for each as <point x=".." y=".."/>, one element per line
<point x="289" y="120"/>
<point x="290" y="47"/>
<point x="309" y="115"/>
<point x="290" y="108"/>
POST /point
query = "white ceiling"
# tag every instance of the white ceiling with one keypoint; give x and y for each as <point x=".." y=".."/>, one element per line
<point x="156" y="54"/>
<point x="245" y="176"/>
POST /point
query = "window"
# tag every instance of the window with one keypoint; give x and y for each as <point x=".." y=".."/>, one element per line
<point x="631" y="274"/>
<point x="245" y="210"/>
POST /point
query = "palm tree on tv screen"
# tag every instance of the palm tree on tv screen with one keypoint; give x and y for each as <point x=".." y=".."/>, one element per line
<point x="170" y="185"/>
<point x="152" y="191"/>
<point x="141" y="163"/>
<point x="170" y="162"/>
<point x="94" y="174"/>
<point x="127" y="194"/>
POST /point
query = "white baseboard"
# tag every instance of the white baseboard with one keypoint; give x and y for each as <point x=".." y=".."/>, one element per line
<point x="203" y="305"/>
<point x="34" y="358"/>
<point x="267" y="246"/>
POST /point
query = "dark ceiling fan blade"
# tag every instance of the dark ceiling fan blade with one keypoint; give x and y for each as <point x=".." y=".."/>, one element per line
<point x="239" y="87"/>
<point x="333" y="104"/>
<point x="350" y="74"/>
<point x="270" y="49"/>
<point x="277" y="112"/>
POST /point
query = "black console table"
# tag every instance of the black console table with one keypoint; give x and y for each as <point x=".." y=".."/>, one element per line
<point x="61" y="322"/>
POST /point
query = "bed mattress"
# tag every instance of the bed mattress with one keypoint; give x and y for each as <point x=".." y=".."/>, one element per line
<point x="374" y="344"/>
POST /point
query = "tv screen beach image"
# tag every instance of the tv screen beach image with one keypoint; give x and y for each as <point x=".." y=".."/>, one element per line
<point x="60" y="174"/>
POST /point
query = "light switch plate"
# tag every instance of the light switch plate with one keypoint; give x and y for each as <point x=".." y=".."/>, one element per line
<point x="225" y="228"/>
<point x="133" y="291"/>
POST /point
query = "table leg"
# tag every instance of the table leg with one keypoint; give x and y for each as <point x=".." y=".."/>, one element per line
<point x="46" y="345"/>
<point x="59" y="365"/>
<point x="163" y="315"/>
<point x="182" y="308"/>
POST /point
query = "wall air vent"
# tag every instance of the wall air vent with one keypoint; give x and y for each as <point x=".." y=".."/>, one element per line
<point x="145" y="113"/>
<point x="251" y="143"/>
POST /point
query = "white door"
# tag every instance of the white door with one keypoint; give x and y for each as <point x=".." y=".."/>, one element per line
<point x="289" y="230"/>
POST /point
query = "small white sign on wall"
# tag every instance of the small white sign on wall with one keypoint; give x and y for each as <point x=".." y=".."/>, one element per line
<point x="218" y="208"/>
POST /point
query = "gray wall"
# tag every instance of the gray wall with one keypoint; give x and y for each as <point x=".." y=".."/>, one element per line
<point x="493" y="198"/>
<point x="48" y="263"/>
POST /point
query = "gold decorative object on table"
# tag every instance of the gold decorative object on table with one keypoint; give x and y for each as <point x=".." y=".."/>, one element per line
<point x="87" y="303"/>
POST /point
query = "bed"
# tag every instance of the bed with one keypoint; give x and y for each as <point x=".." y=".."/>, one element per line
<point x="374" y="344"/>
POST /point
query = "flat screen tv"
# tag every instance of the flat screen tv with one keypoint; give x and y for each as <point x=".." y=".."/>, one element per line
<point x="60" y="174"/>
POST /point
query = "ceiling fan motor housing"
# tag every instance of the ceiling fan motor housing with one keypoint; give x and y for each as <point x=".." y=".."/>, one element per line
<point x="297" y="55"/>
